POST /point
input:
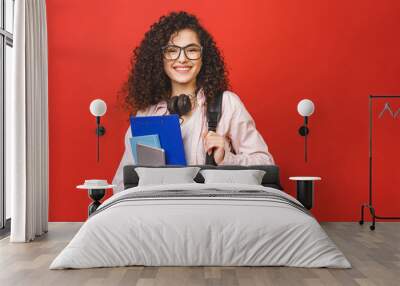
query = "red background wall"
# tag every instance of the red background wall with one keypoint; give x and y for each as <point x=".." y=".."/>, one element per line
<point x="278" y="52"/>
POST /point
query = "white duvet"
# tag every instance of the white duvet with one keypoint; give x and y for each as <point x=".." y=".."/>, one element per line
<point x="192" y="231"/>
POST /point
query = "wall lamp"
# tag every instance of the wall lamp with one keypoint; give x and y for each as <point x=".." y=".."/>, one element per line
<point x="305" y="108"/>
<point x="98" y="108"/>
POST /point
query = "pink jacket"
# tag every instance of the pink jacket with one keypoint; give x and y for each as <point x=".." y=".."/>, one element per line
<point x="247" y="147"/>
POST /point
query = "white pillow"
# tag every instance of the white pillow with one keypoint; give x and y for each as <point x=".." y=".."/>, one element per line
<point x="165" y="176"/>
<point x="249" y="177"/>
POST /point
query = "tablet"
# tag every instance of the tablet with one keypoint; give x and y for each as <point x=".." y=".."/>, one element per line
<point x="169" y="132"/>
<point x="150" y="156"/>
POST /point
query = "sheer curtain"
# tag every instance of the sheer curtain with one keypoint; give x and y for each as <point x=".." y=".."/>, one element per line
<point x="27" y="124"/>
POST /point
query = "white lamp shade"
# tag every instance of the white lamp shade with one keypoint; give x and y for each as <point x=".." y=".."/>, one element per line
<point x="98" y="107"/>
<point x="305" y="107"/>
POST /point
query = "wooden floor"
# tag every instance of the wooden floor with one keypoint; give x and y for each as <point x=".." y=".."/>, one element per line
<point x="375" y="257"/>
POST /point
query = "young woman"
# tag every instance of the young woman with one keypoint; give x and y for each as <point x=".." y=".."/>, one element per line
<point x="178" y="68"/>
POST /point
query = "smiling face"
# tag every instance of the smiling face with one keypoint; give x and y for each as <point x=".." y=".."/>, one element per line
<point x="183" y="70"/>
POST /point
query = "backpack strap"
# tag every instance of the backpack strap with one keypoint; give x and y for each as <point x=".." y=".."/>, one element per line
<point x="213" y="115"/>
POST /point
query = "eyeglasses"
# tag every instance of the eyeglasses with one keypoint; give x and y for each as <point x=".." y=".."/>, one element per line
<point x="172" y="52"/>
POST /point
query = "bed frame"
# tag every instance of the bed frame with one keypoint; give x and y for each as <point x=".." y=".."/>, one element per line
<point x="270" y="179"/>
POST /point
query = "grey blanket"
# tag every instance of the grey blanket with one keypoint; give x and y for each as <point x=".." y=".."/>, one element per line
<point x="202" y="194"/>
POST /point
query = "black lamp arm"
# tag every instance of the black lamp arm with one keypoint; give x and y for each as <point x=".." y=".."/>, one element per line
<point x="100" y="130"/>
<point x="303" y="130"/>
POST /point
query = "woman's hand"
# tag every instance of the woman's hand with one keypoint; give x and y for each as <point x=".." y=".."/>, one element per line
<point x="213" y="141"/>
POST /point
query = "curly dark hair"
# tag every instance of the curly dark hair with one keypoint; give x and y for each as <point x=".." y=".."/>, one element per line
<point x="148" y="83"/>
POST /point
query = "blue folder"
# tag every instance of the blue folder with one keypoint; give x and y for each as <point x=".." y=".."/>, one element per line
<point x="169" y="132"/>
<point x="149" y="140"/>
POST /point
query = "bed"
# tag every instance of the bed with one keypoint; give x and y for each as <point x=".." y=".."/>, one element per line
<point x="201" y="224"/>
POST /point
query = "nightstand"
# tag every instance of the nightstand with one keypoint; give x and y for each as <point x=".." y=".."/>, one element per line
<point x="96" y="192"/>
<point x="305" y="190"/>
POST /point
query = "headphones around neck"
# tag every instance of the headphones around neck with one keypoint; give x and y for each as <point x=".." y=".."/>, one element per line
<point x="180" y="104"/>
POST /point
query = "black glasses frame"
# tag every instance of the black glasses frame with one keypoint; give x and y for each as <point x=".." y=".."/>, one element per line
<point x="180" y="51"/>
